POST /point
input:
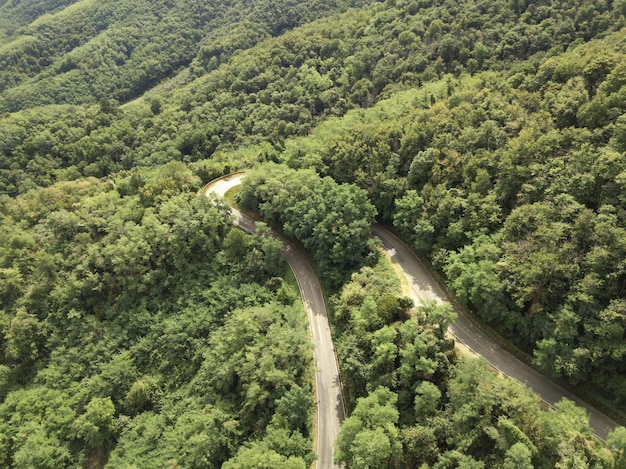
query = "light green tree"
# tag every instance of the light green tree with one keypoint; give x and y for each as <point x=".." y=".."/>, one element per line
<point x="95" y="427"/>
<point x="369" y="438"/>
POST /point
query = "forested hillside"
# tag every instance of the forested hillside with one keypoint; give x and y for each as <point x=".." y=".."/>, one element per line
<point x="139" y="327"/>
<point x="94" y="50"/>
<point x="514" y="189"/>
<point x="16" y="14"/>
<point x="136" y="325"/>
<point x="416" y="403"/>
<point x="280" y="87"/>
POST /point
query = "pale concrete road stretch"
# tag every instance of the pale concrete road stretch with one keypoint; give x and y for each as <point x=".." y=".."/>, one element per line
<point x="424" y="288"/>
<point x="329" y="396"/>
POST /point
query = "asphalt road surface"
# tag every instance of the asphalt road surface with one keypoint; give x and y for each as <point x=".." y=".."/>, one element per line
<point x="424" y="288"/>
<point x="329" y="395"/>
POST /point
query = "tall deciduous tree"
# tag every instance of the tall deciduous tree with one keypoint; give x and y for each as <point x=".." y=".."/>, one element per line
<point x="369" y="438"/>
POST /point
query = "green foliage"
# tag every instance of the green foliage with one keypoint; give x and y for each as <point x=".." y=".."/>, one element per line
<point x="292" y="407"/>
<point x="518" y="456"/>
<point x="443" y="411"/>
<point x="96" y="425"/>
<point x="369" y="437"/>
<point x="36" y="427"/>
<point x="426" y="399"/>
<point x="378" y="349"/>
<point x="331" y="220"/>
<point x="133" y="332"/>
<point x="511" y="186"/>
<point x="242" y="87"/>
<point x="41" y="450"/>
<point x="491" y="134"/>
<point x="617" y="443"/>
<point x="87" y="51"/>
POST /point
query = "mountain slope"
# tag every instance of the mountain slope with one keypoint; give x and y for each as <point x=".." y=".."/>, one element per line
<point x="280" y="87"/>
<point x="117" y="50"/>
<point x="490" y="134"/>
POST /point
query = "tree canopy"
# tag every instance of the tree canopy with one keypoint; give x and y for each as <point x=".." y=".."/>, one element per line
<point x="133" y="333"/>
<point x="331" y="220"/>
<point x="136" y="326"/>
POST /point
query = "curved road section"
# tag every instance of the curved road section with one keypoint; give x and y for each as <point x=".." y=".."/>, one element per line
<point x="329" y="396"/>
<point x="423" y="288"/>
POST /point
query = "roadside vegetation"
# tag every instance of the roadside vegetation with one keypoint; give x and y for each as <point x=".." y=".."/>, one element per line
<point x="138" y="327"/>
<point x="332" y="221"/>
<point x="415" y="402"/>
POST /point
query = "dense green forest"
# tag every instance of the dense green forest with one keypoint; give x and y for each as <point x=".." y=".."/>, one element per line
<point x="332" y="221"/>
<point x="137" y="327"/>
<point x="282" y="86"/>
<point x="93" y="50"/>
<point x="417" y="403"/>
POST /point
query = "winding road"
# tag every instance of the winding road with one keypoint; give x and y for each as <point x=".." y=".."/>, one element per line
<point x="329" y="396"/>
<point x="423" y="288"/>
